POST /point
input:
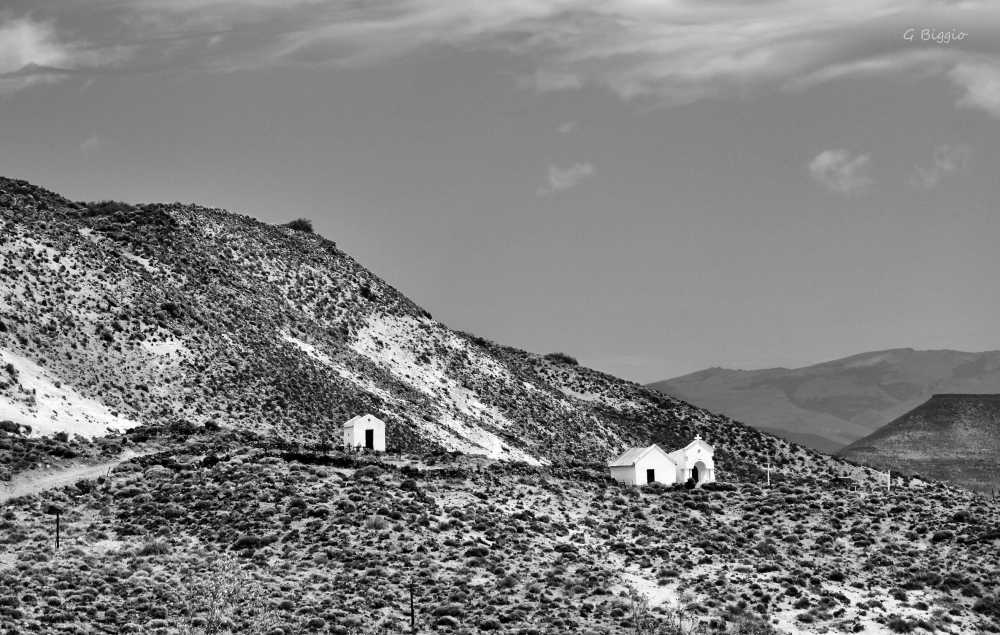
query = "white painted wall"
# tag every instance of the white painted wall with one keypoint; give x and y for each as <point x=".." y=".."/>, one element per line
<point x="696" y="453"/>
<point x="354" y="436"/>
<point x="624" y="474"/>
<point x="665" y="470"/>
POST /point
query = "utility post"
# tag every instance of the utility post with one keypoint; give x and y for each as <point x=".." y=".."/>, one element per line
<point x="888" y="480"/>
<point x="411" y="569"/>
<point x="413" y="614"/>
<point x="57" y="511"/>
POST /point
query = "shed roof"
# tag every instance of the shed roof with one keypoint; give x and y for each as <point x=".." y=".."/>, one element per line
<point x="632" y="455"/>
<point x="350" y="423"/>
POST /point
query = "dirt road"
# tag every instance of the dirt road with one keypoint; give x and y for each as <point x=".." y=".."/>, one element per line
<point x="40" y="480"/>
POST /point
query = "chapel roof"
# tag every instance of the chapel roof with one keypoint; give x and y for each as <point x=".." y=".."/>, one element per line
<point x="632" y="455"/>
<point x="697" y="440"/>
<point x="354" y="420"/>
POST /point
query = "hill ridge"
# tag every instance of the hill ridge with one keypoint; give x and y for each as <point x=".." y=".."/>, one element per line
<point x="179" y="315"/>
<point x="951" y="437"/>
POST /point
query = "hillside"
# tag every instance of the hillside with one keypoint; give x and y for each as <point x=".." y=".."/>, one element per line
<point x="954" y="438"/>
<point x="179" y="316"/>
<point x="830" y="405"/>
<point x="200" y="363"/>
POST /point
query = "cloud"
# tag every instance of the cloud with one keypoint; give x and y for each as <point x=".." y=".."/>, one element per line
<point x="30" y="75"/>
<point x="839" y="171"/>
<point x="976" y="75"/>
<point x="905" y="64"/>
<point x="24" y="42"/>
<point x="564" y="179"/>
<point x="550" y="81"/>
<point x="675" y="52"/>
<point x="90" y="145"/>
<point x="28" y="50"/>
<point x="33" y="52"/>
<point x="671" y="51"/>
<point x="981" y="81"/>
<point x="948" y="160"/>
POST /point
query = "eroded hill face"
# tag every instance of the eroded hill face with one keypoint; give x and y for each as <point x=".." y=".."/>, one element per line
<point x="827" y="406"/>
<point x="179" y="315"/>
<point x="955" y="438"/>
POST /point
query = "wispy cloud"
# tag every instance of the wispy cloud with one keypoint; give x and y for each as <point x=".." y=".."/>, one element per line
<point x="24" y="42"/>
<point x="34" y="52"/>
<point x="91" y="145"/>
<point x="977" y="76"/>
<point x="27" y="50"/>
<point x="839" y="171"/>
<point x="914" y="64"/>
<point x="948" y="160"/>
<point x="674" y="51"/>
<point x="563" y="179"/>
<point x="548" y="80"/>
<point x="28" y="76"/>
<point x="981" y="81"/>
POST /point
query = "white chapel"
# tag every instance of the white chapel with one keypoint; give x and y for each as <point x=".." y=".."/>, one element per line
<point x="639" y="466"/>
<point x="365" y="431"/>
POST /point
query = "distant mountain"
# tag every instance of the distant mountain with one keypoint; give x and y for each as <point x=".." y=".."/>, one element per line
<point x="830" y="405"/>
<point x="954" y="438"/>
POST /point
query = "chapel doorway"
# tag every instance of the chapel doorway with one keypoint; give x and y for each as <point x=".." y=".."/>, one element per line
<point x="700" y="472"/>
<point x="650" y="476"/>
<point x="370" y="439"/>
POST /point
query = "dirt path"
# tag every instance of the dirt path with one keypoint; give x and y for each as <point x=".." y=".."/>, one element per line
<point x="41" y="480"/>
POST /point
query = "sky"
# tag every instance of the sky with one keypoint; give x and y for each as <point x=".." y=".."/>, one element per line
<point x="652" y="186"/>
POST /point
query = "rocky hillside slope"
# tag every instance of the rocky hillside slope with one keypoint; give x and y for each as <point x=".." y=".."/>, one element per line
<point x="179" y="316"/>
<point x="955" y="438"/>
<point x="336" y="544"/>
<point x="827" y="406"/>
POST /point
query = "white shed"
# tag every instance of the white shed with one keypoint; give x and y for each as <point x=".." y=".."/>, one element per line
<point x="695" y="461"/>
<point x="639" y="466"/>
<point x="365" y="431"/>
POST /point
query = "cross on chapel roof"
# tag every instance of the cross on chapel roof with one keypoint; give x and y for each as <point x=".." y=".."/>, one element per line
<point x="697" y="437"/>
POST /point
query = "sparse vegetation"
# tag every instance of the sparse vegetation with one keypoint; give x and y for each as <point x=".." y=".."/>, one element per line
<point x="303" y="225"/>
<point x="108" y="207"/>
<point x="553" y="542"/>
<point x="221" y="597"/>
<point x="562" y="358"/>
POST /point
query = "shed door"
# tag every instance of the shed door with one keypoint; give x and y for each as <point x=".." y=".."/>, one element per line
<point x="650" y="476"/>
<point x="370" y="439"/>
